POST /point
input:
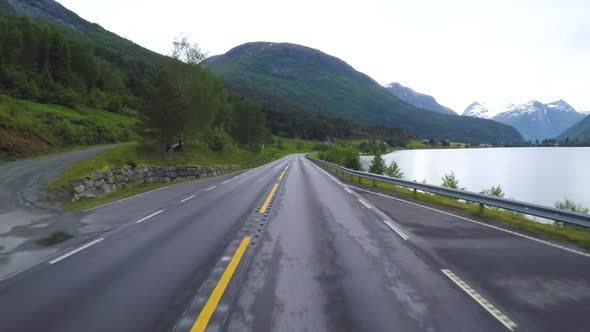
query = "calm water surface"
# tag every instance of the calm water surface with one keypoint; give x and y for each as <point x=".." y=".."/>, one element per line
<point x="536" y="175"/>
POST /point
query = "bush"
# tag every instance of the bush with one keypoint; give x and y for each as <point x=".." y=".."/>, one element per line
<point x="299" y="146"/>
<point x="346" y="157"/>
<point x="216" y="139"/>
<point x="450" y="181"/>
<point x="377" y="165"/>
<point x="494" y="191"/>
<point x="571" y="206"/>
<point x="394" y="171"/>
<point x="321" y="147"/>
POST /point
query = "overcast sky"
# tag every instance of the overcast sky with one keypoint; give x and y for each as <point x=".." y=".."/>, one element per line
<point x="459" y="51"/>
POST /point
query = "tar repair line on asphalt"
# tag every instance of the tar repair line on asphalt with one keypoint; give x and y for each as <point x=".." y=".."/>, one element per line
<point x="384" y="217"/>
<point x="481" y="300"/>
<point x="70" y="253"/>
<point x="215" y="297"/>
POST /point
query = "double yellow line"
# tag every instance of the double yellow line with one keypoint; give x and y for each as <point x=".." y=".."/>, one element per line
<point x="209" y="308"/>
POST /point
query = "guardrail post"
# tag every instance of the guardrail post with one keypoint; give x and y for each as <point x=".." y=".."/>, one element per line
<point x="374" y="184"/>
<point x="481" y="206"/>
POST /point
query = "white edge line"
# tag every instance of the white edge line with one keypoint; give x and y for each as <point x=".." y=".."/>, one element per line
<point x="188" y="198"/>
<point x="397" y="230"/>
<point x="348" y="190"/>
<point x="148" y="217"/>
<point x="126" y="199"/>
<point x="574" y="251"/>
<point x="70" y="253"/>
<point x="365" y="204"/>
<point x="501" y="317"/>
<point x="211" y="188"/>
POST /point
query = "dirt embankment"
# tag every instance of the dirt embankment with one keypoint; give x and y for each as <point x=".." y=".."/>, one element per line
<point x="16" y="143"/>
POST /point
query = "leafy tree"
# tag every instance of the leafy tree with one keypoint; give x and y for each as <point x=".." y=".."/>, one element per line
<point x="450" y="181"/>
<point x="394" y="171"/>
<point x="186" y="52"/>
<point x="377" y="165"/>
<point x="248" y="124"/>
<point x="494" y="191"/>
<point x="571" y="206"/>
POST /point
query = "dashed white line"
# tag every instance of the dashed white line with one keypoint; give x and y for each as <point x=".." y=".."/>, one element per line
<point x="126" y="199"/>
<point x="365" y="204"/>
<point x="396" y="229"/>
<point x="188" y="198"/>
<point x="70" y="253"/>
<point x="481" y="300"/>
<point x="211" y="188"/>
<point x="148" y="217"/>
<point x="226" y="181"/>
<point x="574" y="251"/>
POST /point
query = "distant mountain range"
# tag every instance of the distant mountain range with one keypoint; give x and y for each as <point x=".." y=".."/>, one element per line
<point x="292" y="77"/>
<point x="534" y="120"/>
<point x="417" y="99"/>
<point x="579" y="131"/>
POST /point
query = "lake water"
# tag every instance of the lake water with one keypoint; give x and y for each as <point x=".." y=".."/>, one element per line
<point x="535" y="175"/>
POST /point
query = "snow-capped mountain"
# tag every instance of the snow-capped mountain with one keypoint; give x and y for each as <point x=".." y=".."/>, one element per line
<point x="478" y="110"/>
<point x="534" y="119"/>
<point x="417" y="99"/>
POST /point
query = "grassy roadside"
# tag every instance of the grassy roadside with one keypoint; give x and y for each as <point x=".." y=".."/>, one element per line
<point x="576" y="235"/>
<point x="194" y="154"/>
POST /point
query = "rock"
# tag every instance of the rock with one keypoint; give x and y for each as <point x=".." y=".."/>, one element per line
<point x="79" y="189"/>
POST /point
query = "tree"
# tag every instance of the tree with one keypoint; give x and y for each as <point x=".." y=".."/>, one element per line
<point x="394" y="171"/>
<point x="494" y="191"/>
<point x="186" y="52"/>
<point x="571" y="206"/>
<point x="248" y="124"/>
<point x="450" y="181"/>
<point x="377" y="165"/>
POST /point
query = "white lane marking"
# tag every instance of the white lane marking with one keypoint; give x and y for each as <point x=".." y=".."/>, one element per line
<point x="380" y="213"/>
<point x="365" y="204"/>
<point x="395" y="229"/>
<point x="126" y="199"/>
<point x="70" y="253"/>
<point x="188" y="198"/>
<point x="226" y="181"/>
<point x="148" y="217"/>
<point x="481" y="300"/>
<point x="211" y="188"/>
<point x="574" y="251"/>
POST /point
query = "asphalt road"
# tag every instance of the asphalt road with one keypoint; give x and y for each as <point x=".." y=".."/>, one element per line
<point x="296" y="250"/>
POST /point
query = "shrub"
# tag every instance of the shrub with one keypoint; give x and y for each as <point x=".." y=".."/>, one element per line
<point x="571" y="206"/>
<point x="216" y="139"/>
<point x="450" y="181"/>
<point x="377" y="165"/>
<point x="394" y="171"/>
<point x="494" y="191"/>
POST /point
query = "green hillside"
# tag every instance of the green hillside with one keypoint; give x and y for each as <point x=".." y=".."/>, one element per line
<point x="296" y="78"/>
<point x="580" y="131"/>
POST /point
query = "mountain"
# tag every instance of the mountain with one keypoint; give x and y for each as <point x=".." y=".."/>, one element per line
<point x="417" y="99"/>
<point x="579" y="131"/>
<point x="51" y="11"/>
<point x="477" y="110"/>
<point x="291" y="77"/>
<point x="534" y="120"/>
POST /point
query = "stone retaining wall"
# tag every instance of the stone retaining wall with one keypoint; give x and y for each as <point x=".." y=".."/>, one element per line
<point x="102" y="183"/>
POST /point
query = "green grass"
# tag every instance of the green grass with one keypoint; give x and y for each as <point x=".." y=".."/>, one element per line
<point x="63" y="128"/>
<point x="418" y="144"/>
<point x="194" y="154"/>
<point x="575" y="235"/>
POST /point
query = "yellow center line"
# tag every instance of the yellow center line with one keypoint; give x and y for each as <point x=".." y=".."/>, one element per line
<point x="268" y="198"/>
<point x="209" y="308"/>
<point x="282" y="174"/>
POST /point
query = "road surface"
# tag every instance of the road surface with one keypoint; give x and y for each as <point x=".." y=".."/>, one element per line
<point x="288" y="247"/>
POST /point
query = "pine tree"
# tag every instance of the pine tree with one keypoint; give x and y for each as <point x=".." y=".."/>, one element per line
<point x="377" y="165"/>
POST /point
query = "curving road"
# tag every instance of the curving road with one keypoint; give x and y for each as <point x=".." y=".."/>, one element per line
<point x="288" y="247"/>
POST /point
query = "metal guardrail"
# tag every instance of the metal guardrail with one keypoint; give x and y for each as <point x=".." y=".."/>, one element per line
<point x="569" y="217"/>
